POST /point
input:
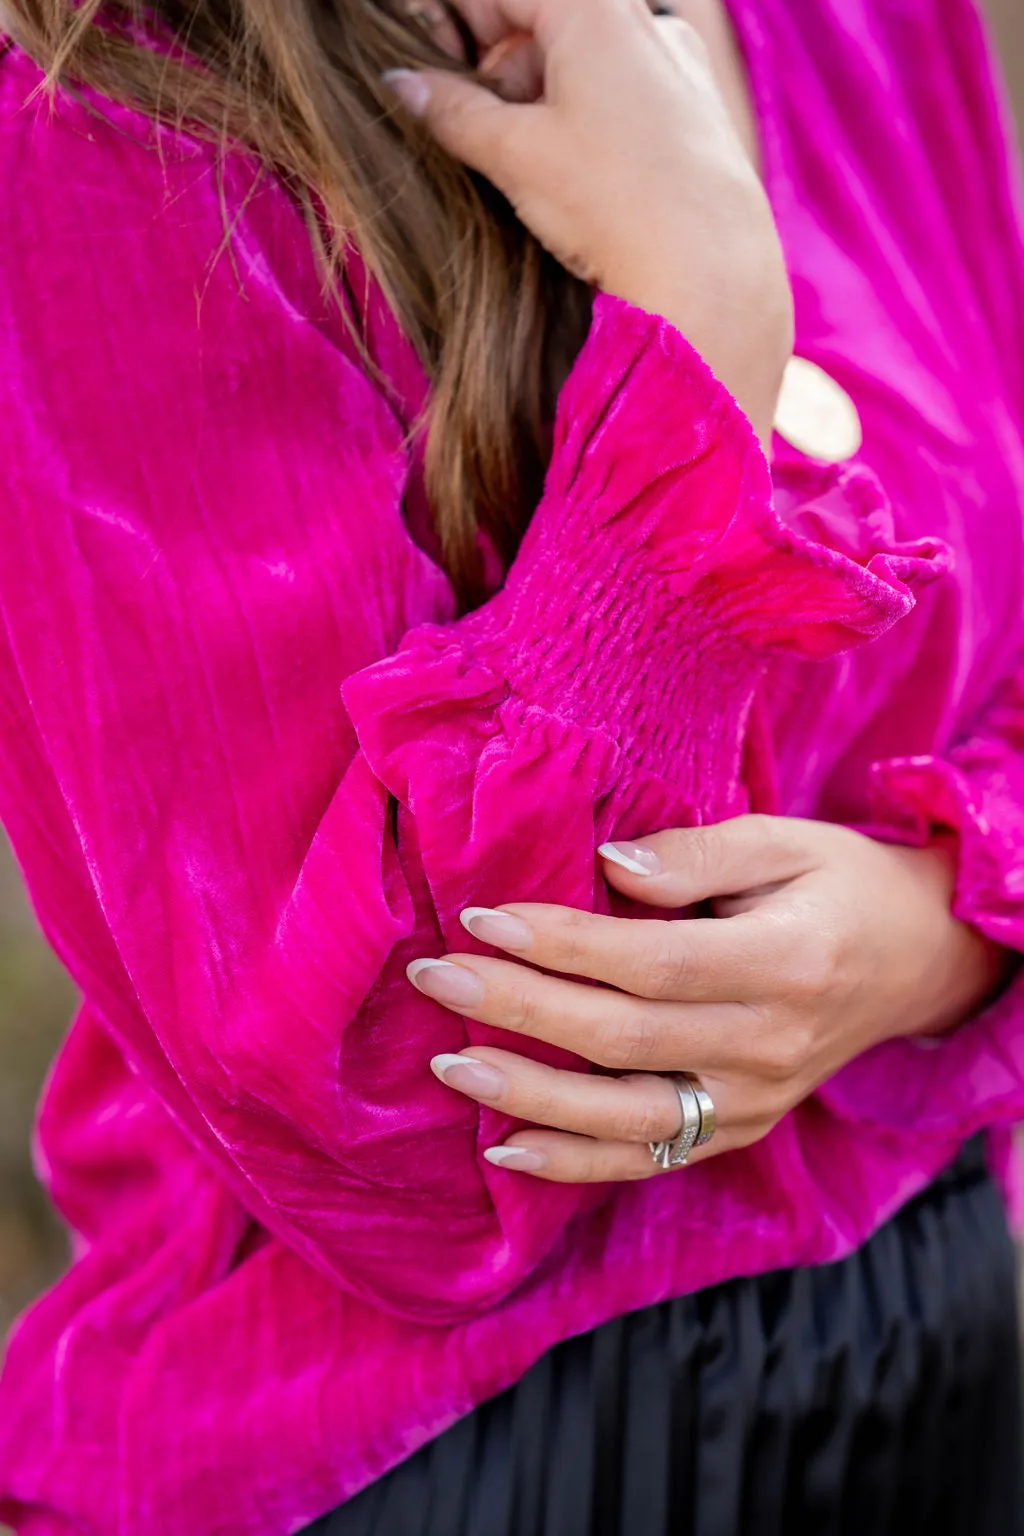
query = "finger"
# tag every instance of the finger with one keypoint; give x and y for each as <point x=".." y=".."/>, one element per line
<point x="468" y="120"/>
<point x="694" y="960"/>
<point x="566" y="1159"/>
<point x="563" y="1158"/>
<point x="692" y="864"/>
<point x="610" y="1028"/>
<point x="436" y="21"/>
<point x="639" y="1107"/>
<point x="491" y="20"/>
<point x="515" y="68"/>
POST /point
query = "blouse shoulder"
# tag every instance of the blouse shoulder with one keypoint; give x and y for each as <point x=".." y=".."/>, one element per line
<point x="140" y="263"/>
<point x="84" y="179"/>
<point x="58" y="139"/>
<point x="171" y="372"/>
<point x="75" y="162"/>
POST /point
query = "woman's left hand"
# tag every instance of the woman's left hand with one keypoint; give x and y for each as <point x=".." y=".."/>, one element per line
<point x="824" y="943"/>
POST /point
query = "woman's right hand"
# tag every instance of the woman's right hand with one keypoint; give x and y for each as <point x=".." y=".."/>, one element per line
<point x="628" y="168"/>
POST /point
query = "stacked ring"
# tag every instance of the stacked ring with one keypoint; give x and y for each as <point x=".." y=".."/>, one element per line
<point x="699" y="1122"/>
<point x="708" y="1118"/>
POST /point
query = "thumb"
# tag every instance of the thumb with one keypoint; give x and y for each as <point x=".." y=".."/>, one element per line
<point x="468" y="120"/>
<point x="743" y="856"/>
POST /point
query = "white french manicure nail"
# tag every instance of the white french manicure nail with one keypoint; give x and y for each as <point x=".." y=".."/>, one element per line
<point x="447" y="983"/>
<point x="439" y="1064"/>
<point x="414" y="967"/>
<point x="520" y="1158"/>
<point x="632" y="856"/>
<point x="498" y="928"/>
<point x="410" y="88"/>
<point x="468" y="1075"/>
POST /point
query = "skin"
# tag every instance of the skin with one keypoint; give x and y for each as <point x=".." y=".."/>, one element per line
<point x="607" y="130"/>
<point x="628" y="145"/>
<point x="823" y="944"/>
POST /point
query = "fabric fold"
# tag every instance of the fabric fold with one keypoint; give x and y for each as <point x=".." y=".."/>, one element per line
<point x="252" y="766"/>
<point x="951" y="1086"/>
<point x="659" y="538"/>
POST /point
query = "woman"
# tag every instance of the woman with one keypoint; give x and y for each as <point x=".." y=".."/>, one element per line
<point x="722" y="773"/>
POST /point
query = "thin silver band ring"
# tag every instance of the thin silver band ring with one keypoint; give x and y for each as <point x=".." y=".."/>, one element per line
<point x="708" y="1118"/>
<point x="699" y="1122"/>
<point x="673" y="1154"/>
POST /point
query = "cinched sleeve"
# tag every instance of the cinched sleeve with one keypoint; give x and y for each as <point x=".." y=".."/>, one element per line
<point x="973" y="1076"/>
<point x="973" y="786"/>
<point x="251" y="764"/>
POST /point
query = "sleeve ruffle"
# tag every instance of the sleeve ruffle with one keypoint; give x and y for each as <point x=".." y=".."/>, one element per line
<point x="979" y="795"/>
<point x="659" y="550"/>
<point x="974" y="1076"/>
<point x="605" y="690"/>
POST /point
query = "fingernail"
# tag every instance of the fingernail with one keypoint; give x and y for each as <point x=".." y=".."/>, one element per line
<point x="446" y="983"/>
<point x="410" y="88"/>
<point x="519" y="1158"/>
<point x="498" y="928"/>
<point x="469" y="1076"/>
<point x="632" y="856"/>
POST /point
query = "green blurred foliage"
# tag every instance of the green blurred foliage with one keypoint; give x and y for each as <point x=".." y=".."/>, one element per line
<point x="36" y="1002"/>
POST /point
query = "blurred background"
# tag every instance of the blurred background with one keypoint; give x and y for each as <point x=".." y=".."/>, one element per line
<point x="36" y="999"/>
<point x="1008" y="20"/>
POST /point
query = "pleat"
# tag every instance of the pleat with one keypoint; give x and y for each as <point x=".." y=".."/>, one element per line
<point x="613" y="1354"/>
<point x="726" y="1388"/>
<point x="529" y="1451"/>
<point x="881" y="1394"/>
<point x="782" y="1306"/>
<point x="881" y="1375"/>
<point x="818" y="1386"/>
<point x="468" y="1470"/>
<point x="573" y="1447"/>
<point x="981" y="1432"/>
<point x="680" y="1396"/>
<point x="660" y="1349"/>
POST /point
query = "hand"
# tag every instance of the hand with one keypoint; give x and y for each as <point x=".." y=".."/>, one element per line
<point x="824" y="943"/>
<point x="628" y="168"/>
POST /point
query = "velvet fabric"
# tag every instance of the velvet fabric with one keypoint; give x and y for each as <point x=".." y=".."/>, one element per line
<point x="881" y="1393"/>
<point x="252" y="762"/>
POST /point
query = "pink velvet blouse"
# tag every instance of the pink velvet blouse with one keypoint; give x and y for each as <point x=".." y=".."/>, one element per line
<point x="252" y="763"/>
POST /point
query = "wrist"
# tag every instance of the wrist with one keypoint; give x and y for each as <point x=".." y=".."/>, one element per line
<point x="746" y="341"/>
<point x="967" y="969"/>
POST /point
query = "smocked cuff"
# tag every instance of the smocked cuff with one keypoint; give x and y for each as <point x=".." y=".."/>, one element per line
<point x="918" y="796"/>
<point x="657" y="555"/>
<point x="973" y="1077"/>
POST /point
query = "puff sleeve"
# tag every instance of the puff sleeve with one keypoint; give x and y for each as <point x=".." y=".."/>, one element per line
<point x="250" y="762"/>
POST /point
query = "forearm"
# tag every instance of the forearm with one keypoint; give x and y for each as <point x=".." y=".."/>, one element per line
<point x="958" y="968"/>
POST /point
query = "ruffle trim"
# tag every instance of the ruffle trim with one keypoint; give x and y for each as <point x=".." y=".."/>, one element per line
<point x="658" y="483"/>
<point x="972" y="1078"/>
<point x="660" y="547"/>
<point x="918" y="794"/>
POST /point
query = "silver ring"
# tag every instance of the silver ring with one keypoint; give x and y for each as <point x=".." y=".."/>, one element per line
<point x="699" y="1122"/>
<point x="673" y="1154"/>
<point x="708" y="1118"/>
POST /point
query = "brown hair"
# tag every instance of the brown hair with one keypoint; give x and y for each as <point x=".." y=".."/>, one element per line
<point x="495" y="320"/>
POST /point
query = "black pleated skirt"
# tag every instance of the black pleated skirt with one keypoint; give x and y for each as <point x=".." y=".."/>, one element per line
<point x="878" y="1396"/>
